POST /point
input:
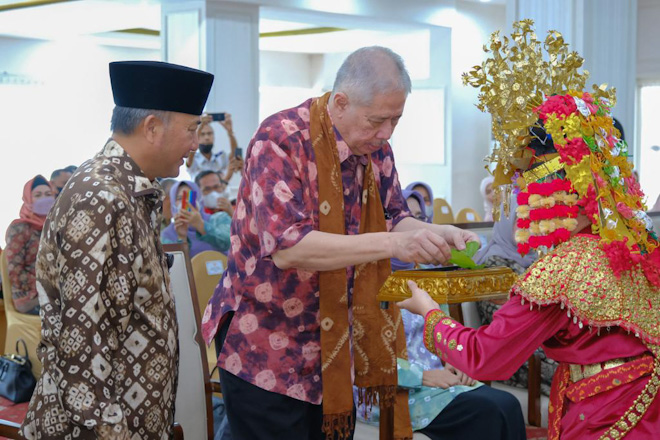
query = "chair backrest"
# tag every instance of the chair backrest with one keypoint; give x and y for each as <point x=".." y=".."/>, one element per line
<point x="6" y="283"/>
<point x="207" y="268"/>
<point x="467" y="215"/>
<point x="19" y="325"/>
<point x="9" y="430"/>
<point x="442" y="213"/>
<point x="194" y="411"/>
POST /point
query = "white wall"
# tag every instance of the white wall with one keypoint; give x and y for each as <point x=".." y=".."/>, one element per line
<point x="648" y="73"/>
<point x="286" y="80"/>
<point x="471" y="132"/>
<point x="648" y="37"/>
<point x="62" y="118"/>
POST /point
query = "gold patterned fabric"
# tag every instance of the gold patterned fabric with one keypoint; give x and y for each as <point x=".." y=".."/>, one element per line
<point x="576" y="275"/>
<point x="109" y="333"/>
<point x="432" y="319"/>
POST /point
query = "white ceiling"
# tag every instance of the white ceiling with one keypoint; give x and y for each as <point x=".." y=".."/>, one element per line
<point x="494" y="2"/>
<point x="78" y="18"/>
<point x="100" y="19"/>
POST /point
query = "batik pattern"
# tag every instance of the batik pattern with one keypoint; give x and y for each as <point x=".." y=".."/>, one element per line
<point x="109" y="333"/>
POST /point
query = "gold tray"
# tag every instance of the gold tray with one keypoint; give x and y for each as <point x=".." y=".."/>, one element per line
<point x="451" y="285"/>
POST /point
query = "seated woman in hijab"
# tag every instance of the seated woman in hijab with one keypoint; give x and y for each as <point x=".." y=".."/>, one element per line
<point x="486" y="189"/>
<point x="424" y="189"/>
<point x="202" y="232"/>
<point x="22" y="239"/>
<point x="443" y="401"/>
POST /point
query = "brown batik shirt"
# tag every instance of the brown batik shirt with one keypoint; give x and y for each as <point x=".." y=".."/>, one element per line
<point x="109" y="332"/>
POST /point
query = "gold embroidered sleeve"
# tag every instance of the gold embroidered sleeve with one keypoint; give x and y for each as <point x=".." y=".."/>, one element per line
<point x="432" y="319"/>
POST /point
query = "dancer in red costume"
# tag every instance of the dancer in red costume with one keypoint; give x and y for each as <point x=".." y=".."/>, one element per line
<point x="593" y="300"/>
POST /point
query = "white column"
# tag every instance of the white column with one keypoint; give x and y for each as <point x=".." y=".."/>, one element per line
<point x="221" y="38"/>
<point x="604" y="32"/>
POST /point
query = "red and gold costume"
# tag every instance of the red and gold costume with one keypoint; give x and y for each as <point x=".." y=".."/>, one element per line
<point x="593" y="300"/>
<point x="588" y="320"/>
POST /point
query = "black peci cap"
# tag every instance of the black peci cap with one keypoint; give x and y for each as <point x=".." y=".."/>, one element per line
<point x="156" y="85"/>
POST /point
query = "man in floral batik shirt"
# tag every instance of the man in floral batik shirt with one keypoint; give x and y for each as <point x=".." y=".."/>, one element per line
<point x="318" y="216"/>
<point x="109" y="339"/>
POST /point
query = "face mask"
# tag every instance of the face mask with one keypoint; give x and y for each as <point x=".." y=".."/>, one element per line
<point x="205" y="148"/>
<point x="43" y="205"/>
<point x="429" y="210"/>
<point x="211" y="199"/>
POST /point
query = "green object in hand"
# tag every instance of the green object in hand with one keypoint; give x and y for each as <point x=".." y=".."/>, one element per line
<point x="464" y="258"/>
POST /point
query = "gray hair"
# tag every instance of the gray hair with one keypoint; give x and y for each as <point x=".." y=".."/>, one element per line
<point x="126" y="119"/>
<point x="362" y="76"/>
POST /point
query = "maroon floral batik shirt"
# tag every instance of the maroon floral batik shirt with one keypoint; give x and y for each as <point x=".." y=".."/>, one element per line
<point x="274" y="340"/>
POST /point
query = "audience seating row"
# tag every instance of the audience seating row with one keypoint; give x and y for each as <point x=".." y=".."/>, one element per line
<point x="443" y="214"/>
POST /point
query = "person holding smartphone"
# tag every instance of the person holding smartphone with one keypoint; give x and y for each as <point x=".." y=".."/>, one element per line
<point x="191" y="225"/>
<point x="220" y="162"/>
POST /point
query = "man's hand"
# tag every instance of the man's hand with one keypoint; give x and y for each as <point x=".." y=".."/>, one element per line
<point x="449" y="235"/>
<point x="206" y="119"/>
<point x="225" y="205"/>
<point x="235" y="164"/>
<point x="463" y="378"/>
<point x="420" y="246"/>
<point x="439" y="379"/>
<point x="457" y="237"/>
<point x="420" y="303"/>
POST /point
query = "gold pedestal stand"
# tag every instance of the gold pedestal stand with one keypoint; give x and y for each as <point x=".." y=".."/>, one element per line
<point x="450" y="285"/>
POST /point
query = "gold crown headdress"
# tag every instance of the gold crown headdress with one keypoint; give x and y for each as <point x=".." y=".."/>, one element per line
<point x="544" y="123"/>
<point x="515" y="80"/>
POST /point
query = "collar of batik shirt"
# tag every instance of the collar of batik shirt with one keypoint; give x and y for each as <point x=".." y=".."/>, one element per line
<point x="131" y="174"/>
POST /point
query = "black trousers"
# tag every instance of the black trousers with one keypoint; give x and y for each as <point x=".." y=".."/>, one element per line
<point x="257" y="414"/>
<point x="484" y="413"/>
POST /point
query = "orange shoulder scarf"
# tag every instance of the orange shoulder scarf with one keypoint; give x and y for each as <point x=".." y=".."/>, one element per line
<point x="378" y="337"/>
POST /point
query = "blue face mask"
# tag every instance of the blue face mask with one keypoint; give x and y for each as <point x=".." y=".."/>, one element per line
<point x="43" y="205"/>
<point x="428" y="210"/>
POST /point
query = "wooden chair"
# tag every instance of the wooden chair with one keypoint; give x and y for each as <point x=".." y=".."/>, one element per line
<point x="207" y="268"/>
<point x="9" y="430"/>
<point x="20" y="325"/>
<point x="3" y="326"/>
<point x="194" y="410"/>
<point x="178" y="431"/>
<point x="467" y="215"/>
<point x="442" y="213"/>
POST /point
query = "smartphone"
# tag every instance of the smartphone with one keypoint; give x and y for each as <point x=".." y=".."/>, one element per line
<point x="188" y="200"/>
<point x="239" y="152"/>
<point x="217" y="116"/>
<point x="185" y="200"/>
<point x="193" y="199"/>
